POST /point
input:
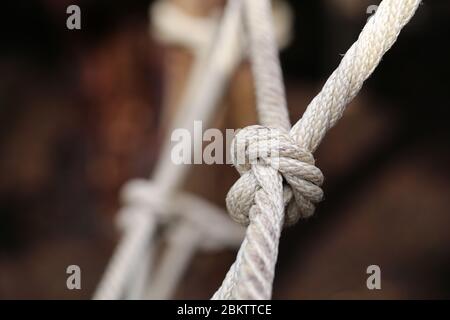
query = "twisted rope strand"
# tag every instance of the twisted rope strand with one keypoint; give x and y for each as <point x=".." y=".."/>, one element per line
<point x="197" y="105"/>
<point x="258" y="198"/>
<point x="251" y="274"/>
<point x="376" y="38"/>
<point x="136" y="240"/>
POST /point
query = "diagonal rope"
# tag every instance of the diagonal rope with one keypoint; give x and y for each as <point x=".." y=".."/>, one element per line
<point x="259" y="197"/>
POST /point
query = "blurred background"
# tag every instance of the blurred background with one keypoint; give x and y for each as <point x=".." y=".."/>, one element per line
<point x="81" y="113"/>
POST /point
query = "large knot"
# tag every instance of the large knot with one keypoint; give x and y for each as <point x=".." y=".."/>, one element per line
<point x="258" y="145"/>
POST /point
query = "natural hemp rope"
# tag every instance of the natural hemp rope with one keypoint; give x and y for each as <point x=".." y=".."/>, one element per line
<point x="284" y="178"/>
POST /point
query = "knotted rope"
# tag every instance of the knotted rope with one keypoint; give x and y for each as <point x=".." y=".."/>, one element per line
<point x="259" y="197"/>
<point x="275" y="148"/>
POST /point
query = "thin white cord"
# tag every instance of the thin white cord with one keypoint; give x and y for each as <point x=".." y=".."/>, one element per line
<point x="175" y="27"/>
<point x="267" y="74"/>
<point x="135" y="240"/>
<point x="197" y="105"/>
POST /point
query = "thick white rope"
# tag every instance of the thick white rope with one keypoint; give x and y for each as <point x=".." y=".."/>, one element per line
<point x="270" y="95"/>
<point x="171" y="29"/>
<point x="259" y="197"/>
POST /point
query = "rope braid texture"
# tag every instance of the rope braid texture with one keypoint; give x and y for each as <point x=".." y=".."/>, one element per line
<point x="268" y="188"/>
<point x="148" y="203"/>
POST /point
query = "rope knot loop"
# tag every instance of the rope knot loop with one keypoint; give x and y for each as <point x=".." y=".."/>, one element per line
<point x="141" y="198"/>
<point x="256" y="146"/>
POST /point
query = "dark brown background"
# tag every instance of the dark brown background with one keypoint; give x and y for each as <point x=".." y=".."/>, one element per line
<point x="79" y="115"/>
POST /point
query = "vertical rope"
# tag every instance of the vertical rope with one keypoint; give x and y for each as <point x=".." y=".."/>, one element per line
<point x="257" y="197"/>
<point x="198" y="104"/>
<point x="377" y="37"/>
<point x="251" y="276"/>
<point x="136" y="240"/>
<point x="270" y="94"/>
